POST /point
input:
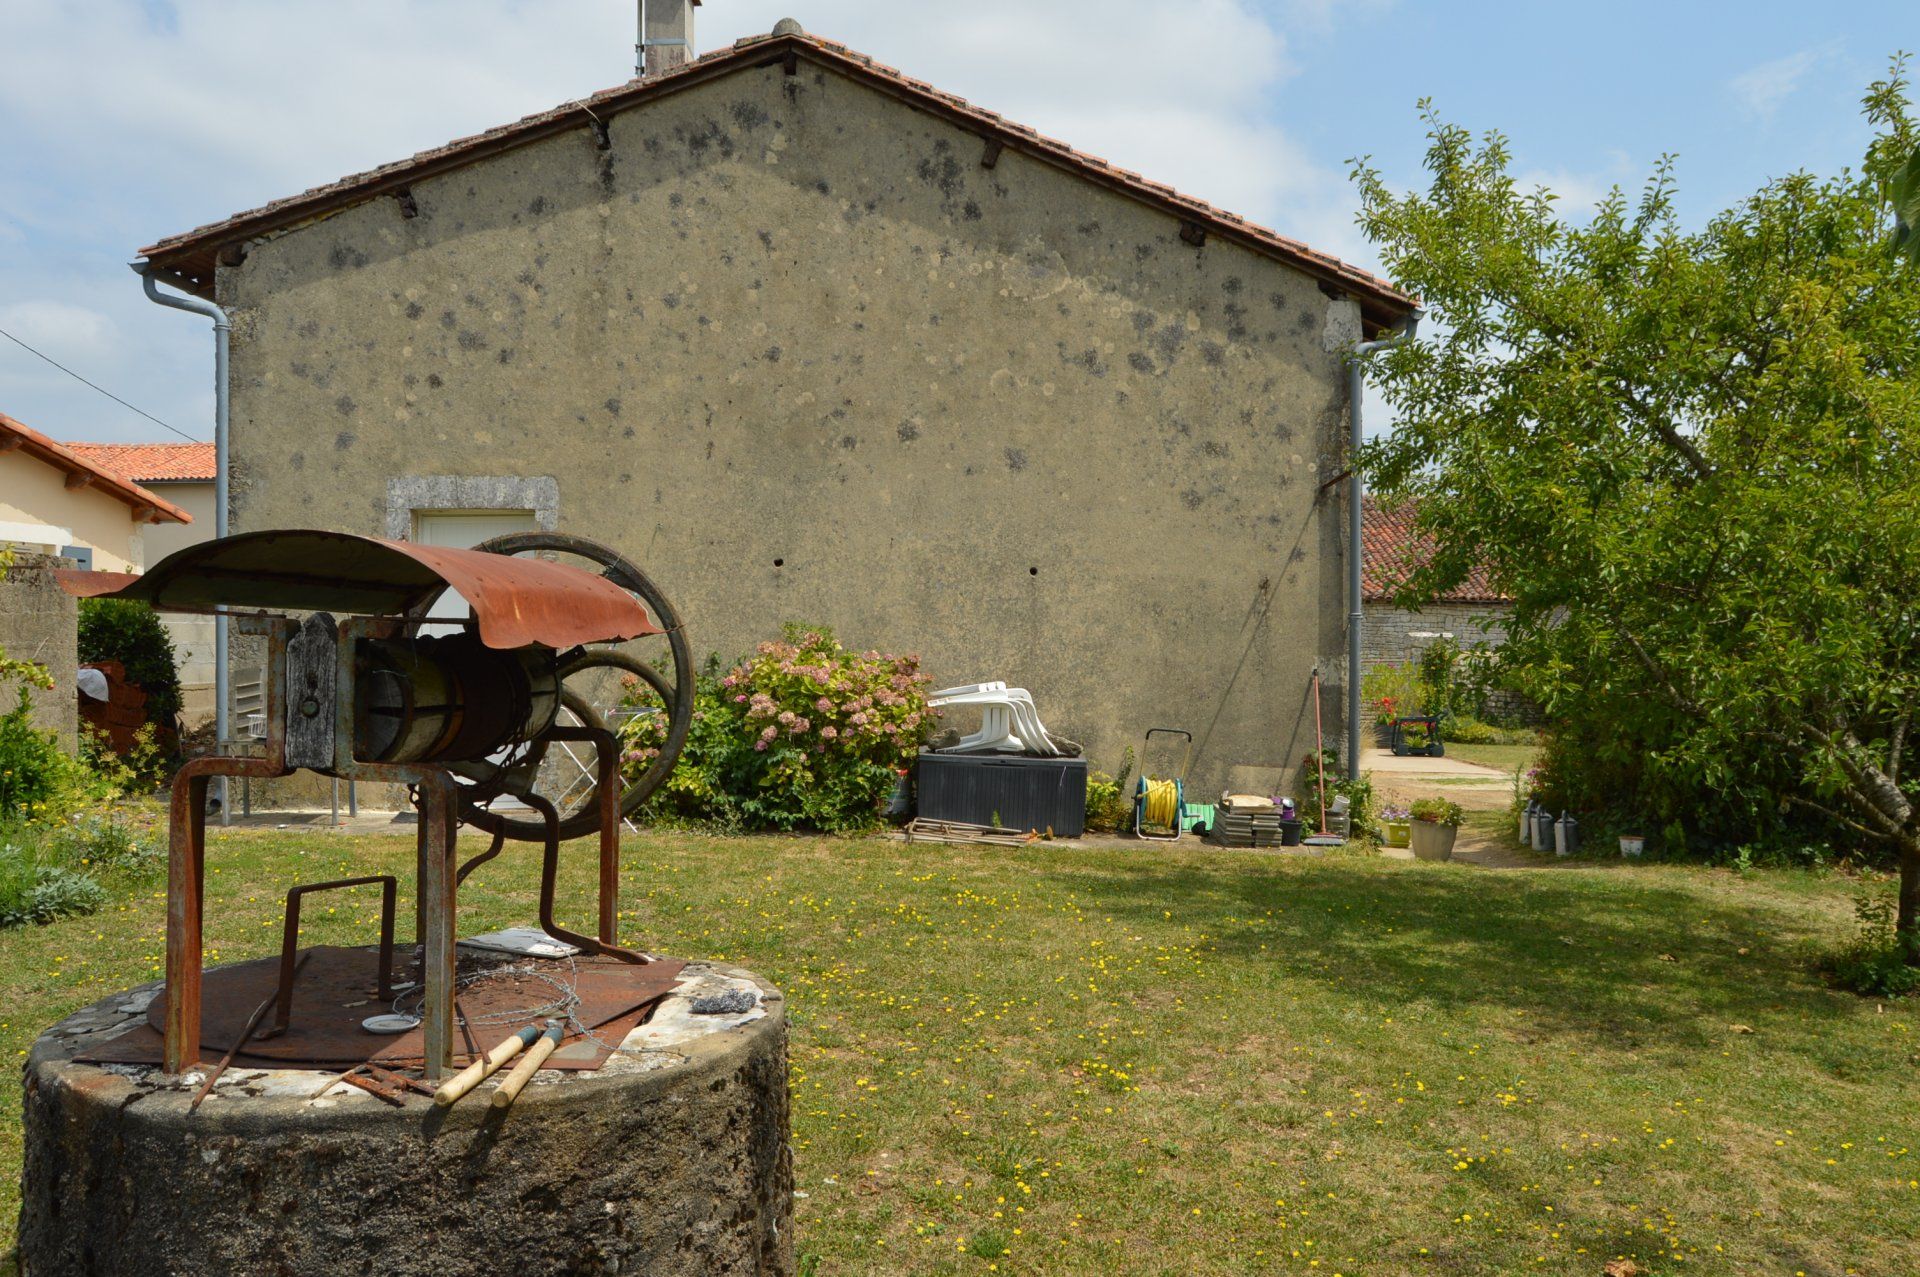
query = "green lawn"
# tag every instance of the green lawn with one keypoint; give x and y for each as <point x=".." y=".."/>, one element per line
<point x="1507" y="758"/>
<point x="1200" y="1061"/>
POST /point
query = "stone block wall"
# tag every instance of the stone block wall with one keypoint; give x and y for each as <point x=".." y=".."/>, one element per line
<point x="1394" y="636"/>
<point x="40" y="622"/>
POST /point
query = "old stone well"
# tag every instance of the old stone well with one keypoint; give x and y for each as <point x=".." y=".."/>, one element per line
<point x="671" y="1157"/>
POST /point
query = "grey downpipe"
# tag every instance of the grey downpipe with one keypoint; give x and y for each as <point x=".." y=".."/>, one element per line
<point x="1356" y="543"/>
<point x="222" y="331"/>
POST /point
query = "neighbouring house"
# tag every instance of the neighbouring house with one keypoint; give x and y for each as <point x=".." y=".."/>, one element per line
<point x="55" y="505"/>
<point x="53" y="500"/>
<point x="183" y="473"/>
<point x="1472" y="614"/>
<point x="811" y="339"/>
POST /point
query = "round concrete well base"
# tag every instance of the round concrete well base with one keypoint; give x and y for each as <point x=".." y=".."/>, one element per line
<point x="673" y="1158"/>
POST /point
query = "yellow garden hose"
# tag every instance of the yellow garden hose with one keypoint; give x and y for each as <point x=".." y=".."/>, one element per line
<point x="1161" y="802"/>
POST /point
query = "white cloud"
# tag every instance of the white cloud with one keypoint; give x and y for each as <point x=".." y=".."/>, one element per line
<point x="58" y="328"/>
<point x="125" y="120"/>
<point x="1320" y="16"/>
<point x="1579" y="190"/>
<point x="1761" y="90"/>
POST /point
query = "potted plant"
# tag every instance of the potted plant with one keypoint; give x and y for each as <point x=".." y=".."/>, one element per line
<point x="1632" y="844"/>
<point x="1436" y="822"/>
<point x="1395" y="826"/>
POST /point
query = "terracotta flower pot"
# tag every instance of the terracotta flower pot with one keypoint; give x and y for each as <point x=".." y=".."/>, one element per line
<point x="1433" y="841"/>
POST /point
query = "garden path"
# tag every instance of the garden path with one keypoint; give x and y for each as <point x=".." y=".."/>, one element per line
<point x="1483" y="791"/>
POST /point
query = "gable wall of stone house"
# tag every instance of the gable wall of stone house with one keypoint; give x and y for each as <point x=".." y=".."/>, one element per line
<point x="793" y="347"/>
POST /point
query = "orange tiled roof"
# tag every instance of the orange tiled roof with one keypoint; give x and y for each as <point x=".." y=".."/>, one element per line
<point x="148" y="507"/>
<point x="150" y="462"/>
<point x="1393" y="547"/>
<point x="191" y="257"/>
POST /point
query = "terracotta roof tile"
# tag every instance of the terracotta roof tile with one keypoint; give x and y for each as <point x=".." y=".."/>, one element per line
<point x="150" y="462"/>
<point x="191" y="255"/>
<point x="1392" y="547"/>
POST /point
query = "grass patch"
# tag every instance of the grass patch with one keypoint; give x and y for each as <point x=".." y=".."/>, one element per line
<point x="1189" y="1060"/>
<point x="1506" y="758"/>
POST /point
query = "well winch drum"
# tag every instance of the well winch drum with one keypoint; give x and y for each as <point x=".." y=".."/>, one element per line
<point x="448" y="698"/>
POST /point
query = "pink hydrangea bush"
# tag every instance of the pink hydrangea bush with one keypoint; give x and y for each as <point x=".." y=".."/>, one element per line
<point x="801" y="734"/>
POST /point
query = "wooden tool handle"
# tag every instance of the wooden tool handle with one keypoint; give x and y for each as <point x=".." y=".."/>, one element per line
<point x="529" y="1064"/>
<point x="483" y="1068"/>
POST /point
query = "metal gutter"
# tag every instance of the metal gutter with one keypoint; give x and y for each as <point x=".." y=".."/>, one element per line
<point x="222" y="340"/>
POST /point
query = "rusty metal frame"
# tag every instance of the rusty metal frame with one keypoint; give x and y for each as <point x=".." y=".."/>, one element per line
<point x="186" y="859"/>
<point x="516" y="602"/>
<point x="187" y="848"/>
<point x="438" y="805"/>
<point x="290" y="942"/>
<point x="439" y="800"/>
<point x="607" y="791"/>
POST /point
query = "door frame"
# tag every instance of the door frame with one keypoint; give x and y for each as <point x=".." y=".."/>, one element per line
<point x="411" y="495"/>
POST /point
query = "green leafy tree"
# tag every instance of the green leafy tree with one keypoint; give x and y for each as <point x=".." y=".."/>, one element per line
<point x="1691" y="457"/>
<point x="1905" y="193"/>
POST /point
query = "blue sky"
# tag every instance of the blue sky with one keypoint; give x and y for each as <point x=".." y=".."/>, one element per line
<point x="125" y="120"/>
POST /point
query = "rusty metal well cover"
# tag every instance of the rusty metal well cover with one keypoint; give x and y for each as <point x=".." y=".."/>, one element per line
<point x="516" y="601"/>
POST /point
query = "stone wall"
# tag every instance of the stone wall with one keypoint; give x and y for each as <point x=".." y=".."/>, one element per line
<point x="1394" y="636"/>
<point x="789" y="344"/>
<point x="673" y="1161"/>
<point x="40" y="622"/>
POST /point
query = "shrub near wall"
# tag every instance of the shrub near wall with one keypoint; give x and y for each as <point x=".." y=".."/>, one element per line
<point x="802" y="734"/>
<point x="131" y="633"/>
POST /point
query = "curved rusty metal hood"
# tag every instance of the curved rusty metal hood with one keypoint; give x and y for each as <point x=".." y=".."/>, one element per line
<point x="517" y="601"/>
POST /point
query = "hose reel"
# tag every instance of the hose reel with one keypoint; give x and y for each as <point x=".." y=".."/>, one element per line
<point x="1159" y="804"/>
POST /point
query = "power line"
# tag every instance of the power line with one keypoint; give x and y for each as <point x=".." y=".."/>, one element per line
<point x="102" y="389"/>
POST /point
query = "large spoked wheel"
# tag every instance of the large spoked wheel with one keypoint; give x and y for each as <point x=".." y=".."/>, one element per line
<point x="602" y="686"/>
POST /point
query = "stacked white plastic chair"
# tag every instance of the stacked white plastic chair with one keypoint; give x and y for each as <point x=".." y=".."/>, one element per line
<point x="1008" y="722"/>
